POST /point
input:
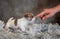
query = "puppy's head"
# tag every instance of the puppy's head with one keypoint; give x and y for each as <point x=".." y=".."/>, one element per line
<point x="28" y="16"/>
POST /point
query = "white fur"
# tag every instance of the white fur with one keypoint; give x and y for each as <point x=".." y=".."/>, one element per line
<point x="10" y="23"/>
<point x="23" y="23"/>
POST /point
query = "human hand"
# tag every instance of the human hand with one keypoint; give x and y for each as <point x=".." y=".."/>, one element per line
<point x="47" y="13"/>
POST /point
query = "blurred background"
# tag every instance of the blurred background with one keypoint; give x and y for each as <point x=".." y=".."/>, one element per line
<point x="17" y="8"/>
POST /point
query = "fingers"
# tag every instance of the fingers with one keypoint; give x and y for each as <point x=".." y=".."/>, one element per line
<point x="42" y="13"/>
<point x="45" y="17"/>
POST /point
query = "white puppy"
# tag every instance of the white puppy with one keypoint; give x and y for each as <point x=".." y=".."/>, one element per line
<point x="24" y="21"/>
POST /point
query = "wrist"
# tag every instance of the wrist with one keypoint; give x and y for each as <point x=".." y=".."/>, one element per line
<point x="57" y="8"/>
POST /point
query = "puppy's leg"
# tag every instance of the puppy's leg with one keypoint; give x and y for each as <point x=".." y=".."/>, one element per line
<point x="22" y="28"/>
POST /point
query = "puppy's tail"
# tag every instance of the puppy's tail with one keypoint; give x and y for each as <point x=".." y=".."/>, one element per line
<point x="8" y="22"/>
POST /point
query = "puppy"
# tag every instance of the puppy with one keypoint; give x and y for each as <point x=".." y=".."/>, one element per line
<point x="24" y="21"/>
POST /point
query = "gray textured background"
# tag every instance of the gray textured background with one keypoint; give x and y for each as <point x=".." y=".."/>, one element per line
<point x="17" y="8"/>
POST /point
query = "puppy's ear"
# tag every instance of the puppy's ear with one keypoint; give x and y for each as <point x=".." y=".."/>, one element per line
<point x="28" y="15"/>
